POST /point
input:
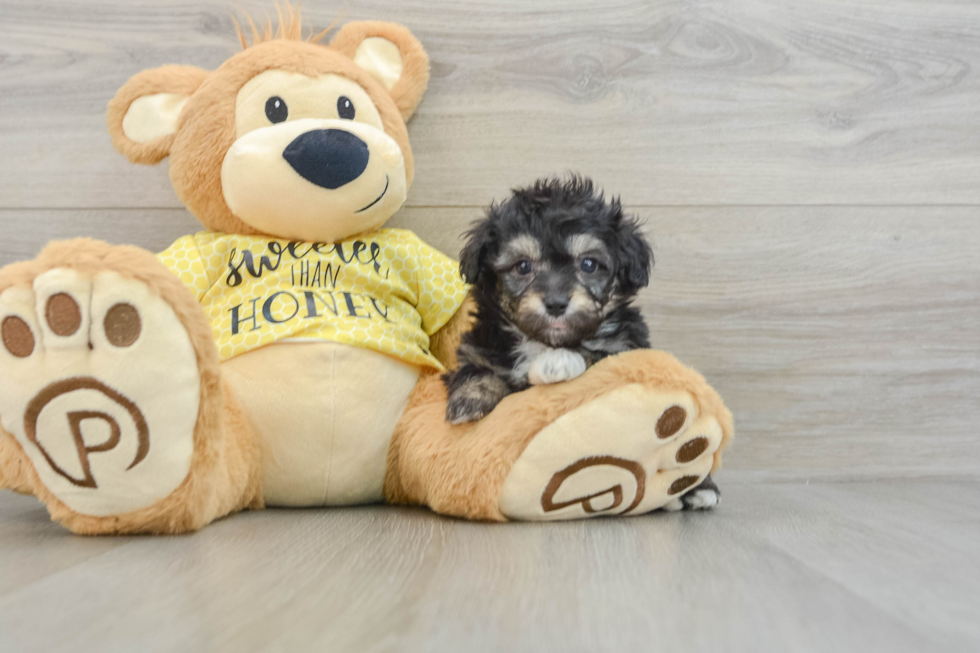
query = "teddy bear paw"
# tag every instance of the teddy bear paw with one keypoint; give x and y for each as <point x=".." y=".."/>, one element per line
<point x="99" y="384"/>
<point x="630" y="451"/>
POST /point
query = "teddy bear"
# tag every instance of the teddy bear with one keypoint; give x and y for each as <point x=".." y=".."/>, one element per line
<point x="290" y="354"/>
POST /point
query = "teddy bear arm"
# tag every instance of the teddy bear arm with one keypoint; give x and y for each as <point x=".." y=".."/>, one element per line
<point x="651" y="427"/>
<point x="444" y="342"/>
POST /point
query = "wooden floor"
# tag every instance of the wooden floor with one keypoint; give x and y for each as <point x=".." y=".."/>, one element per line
<point x="809" y="176"/>
<point x="860" y="566"/>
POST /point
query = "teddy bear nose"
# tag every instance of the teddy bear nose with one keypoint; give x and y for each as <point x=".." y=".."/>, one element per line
<point x="328" y="158"/>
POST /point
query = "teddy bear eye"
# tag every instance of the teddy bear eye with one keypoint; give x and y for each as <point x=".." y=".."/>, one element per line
<point x="345" y="108"/>
<point x="276" y="109"/>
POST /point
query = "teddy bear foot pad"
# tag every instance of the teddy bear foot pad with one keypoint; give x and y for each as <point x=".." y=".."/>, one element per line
<point x="99" y="383"/>
<point x="628" y="452"/>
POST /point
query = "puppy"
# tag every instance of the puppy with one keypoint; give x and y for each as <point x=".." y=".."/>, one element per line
<point x="554" y="270"/>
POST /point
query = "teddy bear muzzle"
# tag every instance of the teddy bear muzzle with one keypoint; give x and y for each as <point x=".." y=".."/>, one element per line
<point x="313" y="179"/>
<point x="329" y="158"/>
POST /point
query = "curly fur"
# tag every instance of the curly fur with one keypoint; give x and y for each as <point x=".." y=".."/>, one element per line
<point x="554" y="269"/>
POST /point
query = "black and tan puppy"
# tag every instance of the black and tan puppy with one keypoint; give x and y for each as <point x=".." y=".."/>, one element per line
<point x="554" y="270"/>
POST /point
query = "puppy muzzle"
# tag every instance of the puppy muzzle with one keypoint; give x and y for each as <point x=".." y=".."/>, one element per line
<point x="576" y="320"/>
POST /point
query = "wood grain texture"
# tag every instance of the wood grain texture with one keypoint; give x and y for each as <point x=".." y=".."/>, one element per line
<point x="667" y="102"/>
<point x="778" y="567"/>
<point x="845" y="340"/>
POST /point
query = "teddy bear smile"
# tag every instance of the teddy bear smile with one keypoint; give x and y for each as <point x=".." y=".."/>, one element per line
<point x="378" y="198"/>
<point x="313" y="179"/>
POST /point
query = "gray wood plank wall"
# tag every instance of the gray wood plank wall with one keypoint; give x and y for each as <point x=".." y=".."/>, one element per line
<point x="808" y="171"/>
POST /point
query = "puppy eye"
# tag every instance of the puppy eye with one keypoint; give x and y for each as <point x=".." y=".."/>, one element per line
<point x="524" y="267"/>
<point x="345" y="108"/>
<point x="275" y="109"/>
<point x="589" y="265"/>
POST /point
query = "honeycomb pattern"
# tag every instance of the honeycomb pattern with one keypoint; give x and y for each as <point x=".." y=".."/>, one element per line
<point x="387" y="291"/>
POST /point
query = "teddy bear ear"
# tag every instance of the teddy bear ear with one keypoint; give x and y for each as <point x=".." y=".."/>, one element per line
<point x="392" y="55"/>
<point x="143" y="116"/>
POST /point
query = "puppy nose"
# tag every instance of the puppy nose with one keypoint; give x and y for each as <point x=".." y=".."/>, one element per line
<point x="328" y="158"/>
<point x="555" y="305"/>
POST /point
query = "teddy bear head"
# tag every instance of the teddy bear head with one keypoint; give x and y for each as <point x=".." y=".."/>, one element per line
<point x="288" y="138"/>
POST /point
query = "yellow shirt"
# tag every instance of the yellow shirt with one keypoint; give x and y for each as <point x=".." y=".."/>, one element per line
<point x="387" y="290"/>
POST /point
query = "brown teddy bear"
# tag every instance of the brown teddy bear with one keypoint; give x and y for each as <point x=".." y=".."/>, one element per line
<point x="290" y="355"/>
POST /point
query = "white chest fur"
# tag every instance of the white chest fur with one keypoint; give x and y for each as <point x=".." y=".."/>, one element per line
<point x="541" y="364"/>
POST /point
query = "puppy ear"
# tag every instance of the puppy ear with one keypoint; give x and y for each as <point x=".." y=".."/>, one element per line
<point x="635" y="255"/>
<point x="392" y="55"/>
<point x="479" y="240"/>
<point x="143" y="116"/>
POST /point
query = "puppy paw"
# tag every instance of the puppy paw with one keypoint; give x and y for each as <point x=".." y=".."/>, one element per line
<point x="701" y="499"/>
<point x="464" y="408"/>
<point x="473" y="393"/>
<point x="555" y="366"/>
<point x="674" y="505"/>
<point x="704" y="497"/>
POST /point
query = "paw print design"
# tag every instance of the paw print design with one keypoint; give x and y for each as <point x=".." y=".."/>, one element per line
<point x="628" y="452"/>
<point x="99" y="384"/>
